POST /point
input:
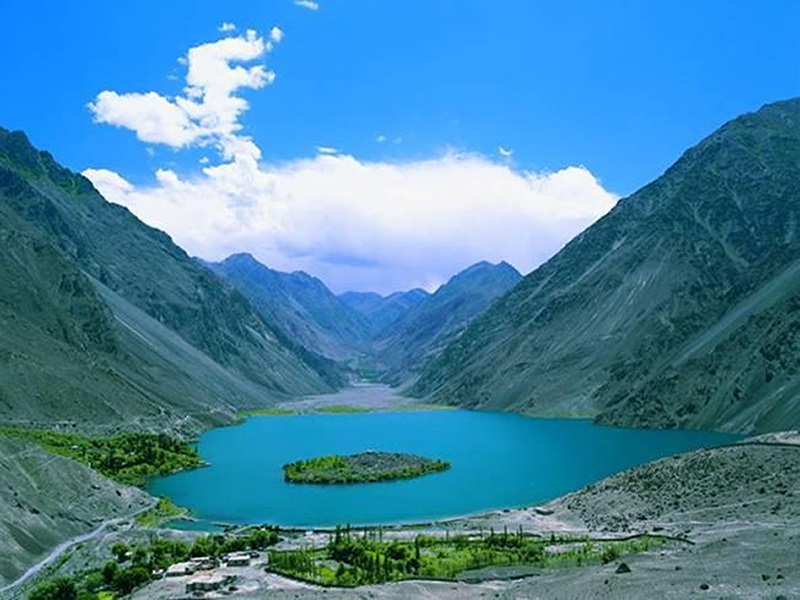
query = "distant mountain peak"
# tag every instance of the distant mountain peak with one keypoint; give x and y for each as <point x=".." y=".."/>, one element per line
<point x="243" y="257"/>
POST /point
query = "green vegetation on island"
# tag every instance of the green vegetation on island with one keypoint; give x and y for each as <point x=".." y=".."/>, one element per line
<point x="127" y="458"/>
<point x="350" y="560"/>
<point x="361" y="468"/>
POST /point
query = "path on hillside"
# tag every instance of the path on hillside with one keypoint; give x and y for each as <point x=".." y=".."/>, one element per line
<point x="64" y="546"/>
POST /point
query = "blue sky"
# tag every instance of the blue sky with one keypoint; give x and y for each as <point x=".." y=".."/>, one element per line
<point x="620" y="88"/>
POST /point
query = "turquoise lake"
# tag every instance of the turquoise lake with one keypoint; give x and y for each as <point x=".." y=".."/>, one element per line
<point x="499" y="460"/>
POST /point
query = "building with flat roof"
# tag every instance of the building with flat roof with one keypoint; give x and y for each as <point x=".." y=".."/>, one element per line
<point x="208" y="582"/>
<point x="238" y="559"/>
<point x="180" y="569"/>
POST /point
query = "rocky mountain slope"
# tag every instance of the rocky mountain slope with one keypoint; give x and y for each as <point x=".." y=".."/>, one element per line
<point x="301" y="305"/>
<point x="106" y="322"/>
<point x="424" y="330"/>
<point x="677" y="309"/>
<point x="46" y="499"/>
<point x="383" y="311"/>
<point x="381" y="337"/>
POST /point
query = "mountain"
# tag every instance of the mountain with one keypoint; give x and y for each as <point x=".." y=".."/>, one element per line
<point x="679" y="308"/>
<point x="383" y="311"/>
<point x="301" y="305"/>
<point x="106" y="323"/>
<point x="47" y="499"/>
<point x="424" y="330"/>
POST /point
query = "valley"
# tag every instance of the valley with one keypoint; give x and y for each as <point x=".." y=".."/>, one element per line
<point x="606" y="394"/>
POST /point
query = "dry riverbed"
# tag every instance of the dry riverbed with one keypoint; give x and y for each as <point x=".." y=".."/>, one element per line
<point x="364" y="397"/>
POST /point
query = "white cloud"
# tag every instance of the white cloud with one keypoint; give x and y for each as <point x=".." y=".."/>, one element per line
<point x="276" y="34"/>
<point x="369" y="225"/>
<point x="505" y="152"/>
<point x="110" y="184"/>
<point x="309" y="4"/>
<point x="155" y="119"/>
<point x="209" y="111"/>
<point x="359" y="225"/>
<point x="380" y="138"/>
<point x="226" y="27"/>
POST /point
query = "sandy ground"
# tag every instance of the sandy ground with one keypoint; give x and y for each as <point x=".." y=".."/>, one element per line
<point x="366" y="396"/>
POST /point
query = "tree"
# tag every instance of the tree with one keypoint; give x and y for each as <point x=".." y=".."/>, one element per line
<point x="120" y="551"/>
<point x="110" y="572"/>
<point x="140" y="556"/>
<point x="58" y="589"/>
<point x="129" y="579"/>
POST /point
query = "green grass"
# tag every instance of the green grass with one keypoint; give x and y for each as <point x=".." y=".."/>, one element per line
<point x="340" y="409"/>
<point x="422" y="406"/>
<point x="164" y="510"/>
<point x="350" y="560"/>
<point x="270" y="411"/>
<point x="276" y="411"/>
<point x="128" y="458"/>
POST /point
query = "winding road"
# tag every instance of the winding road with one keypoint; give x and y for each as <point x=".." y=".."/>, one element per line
<point x="8" y="590"/>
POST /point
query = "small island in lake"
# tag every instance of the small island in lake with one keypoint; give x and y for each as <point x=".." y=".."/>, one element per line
<point x="361" y="468"/>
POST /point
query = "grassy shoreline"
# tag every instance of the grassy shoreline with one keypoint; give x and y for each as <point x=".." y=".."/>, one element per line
<point x="127" y="458"/>
<point x="338" y="409"/>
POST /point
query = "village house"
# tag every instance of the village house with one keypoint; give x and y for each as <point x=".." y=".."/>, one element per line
<point x="181" y="569"/>
<point x="238" y="559"/>
<point x="208" y="582"/>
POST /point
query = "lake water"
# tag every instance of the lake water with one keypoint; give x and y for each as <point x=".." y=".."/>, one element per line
<point x="499" y="460"/>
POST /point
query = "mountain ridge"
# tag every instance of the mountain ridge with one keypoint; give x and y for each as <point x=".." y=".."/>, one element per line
<point x="427" y="328"/>
<point x="384" y="338"/>
<point x="69" y="352"/>
<point x="590" y="332"/>
<point x="298" y="303"/>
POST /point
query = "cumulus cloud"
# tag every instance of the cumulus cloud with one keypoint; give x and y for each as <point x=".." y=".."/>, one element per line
<point x="380" y="138"/>
<point x="504" y="152"/>
<point x="209" y="110"/>
<point x="364" y="225"/>
<point x="368" y="225"/>
<point x="226" y="27"/>
<point x="276" y="34"/>
<point x="307" y="4"/>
